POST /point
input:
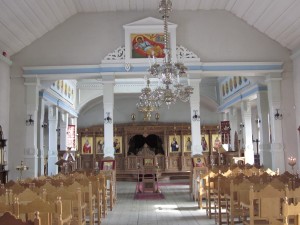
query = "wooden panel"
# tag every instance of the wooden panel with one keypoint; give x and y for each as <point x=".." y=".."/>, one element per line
<point x="119" y="162"/>
<point x="174" y="163"/>
<point x="187" y="163"/>
<point x="87" y="162"/>
<point x="161" y="162"/>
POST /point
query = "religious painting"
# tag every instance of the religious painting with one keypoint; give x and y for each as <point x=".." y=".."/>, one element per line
<point x="240" y="81"/>
<point x="231" y="84"/>
<point x="199" y="161"/>
<point x="149" y="162"/>
<point x="87" y="145"/>
<point x="174" y="143"/>
<point x="223" y="89"/>
<point x="147" y="45"/>
<point x="71" y="137"/>
<point x="216" y="142"/>
<point x="108" y="165"/>
<point x="99" y="145"/>
<point x="234" y="82"/>
<point x="205" y="142"/>
<point x="118" y="144"/>
<point x="187" y="143"/>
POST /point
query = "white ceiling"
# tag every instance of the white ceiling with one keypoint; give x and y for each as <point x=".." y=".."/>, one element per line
<point x="24" y="21"/>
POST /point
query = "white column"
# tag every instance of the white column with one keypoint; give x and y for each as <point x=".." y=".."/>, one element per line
<point x="63" y="125"/>
<point x="247" y="134"/>
<point x="41" y="142"/>
<point x="52" y="152"/>
<point x="263" y="126"/>
<point x="31" y="147"/>
<point x="195" y="124"/>
<point x="108" y="106"/>
<point x="274" y="97"/>
<point x="235" y="127"/>
<point x="4" y="109"/>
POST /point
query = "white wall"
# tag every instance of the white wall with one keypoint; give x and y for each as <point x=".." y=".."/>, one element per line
<point x="125" y="105"/>
<point x="88" y="38"/>
<point x="212" y="35"/>
<point x="4" y="100"/>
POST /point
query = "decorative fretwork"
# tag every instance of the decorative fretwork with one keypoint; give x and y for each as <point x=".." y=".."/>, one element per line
<point x="146" y="151"/>
<point x="118" y="54"/>
<point x="183" y="53"/>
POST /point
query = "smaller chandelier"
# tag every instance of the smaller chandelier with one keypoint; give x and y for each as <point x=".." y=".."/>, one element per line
<point x="147" y="103"/>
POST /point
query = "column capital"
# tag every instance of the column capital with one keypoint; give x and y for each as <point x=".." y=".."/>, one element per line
<point x="108" y="79"/>
<point x="246" y="106"/>
<point x="32" y="81"/>
<point x="273" y="77"/>
<point x="232" y="111"/>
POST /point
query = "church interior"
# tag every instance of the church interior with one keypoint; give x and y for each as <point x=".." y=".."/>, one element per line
<point x="149" y="112"/>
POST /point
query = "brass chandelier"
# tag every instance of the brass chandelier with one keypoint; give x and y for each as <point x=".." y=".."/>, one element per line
<point x="147" y="103"/>
<point x="170" y="88"/>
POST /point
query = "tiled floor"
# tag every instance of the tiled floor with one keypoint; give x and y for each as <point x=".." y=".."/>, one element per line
<point x="177" y="208"/>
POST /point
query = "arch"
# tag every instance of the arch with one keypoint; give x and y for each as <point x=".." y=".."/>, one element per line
<point x="152" y="140"/>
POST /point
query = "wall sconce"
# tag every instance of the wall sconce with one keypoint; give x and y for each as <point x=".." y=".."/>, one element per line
<point x="44" y="125"/>
<point x="107" y="119"/>
<point x="133" y="117"/>
<point x="157" y="116"/>
<point x="277" y="115"/>
<point x="30" y="121"/>
<point x="242" y="125"/>
<point x="196" y="117"/>
<point x="257" y="121"/>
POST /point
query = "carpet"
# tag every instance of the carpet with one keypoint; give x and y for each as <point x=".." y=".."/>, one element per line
<point x="148" y="196"/>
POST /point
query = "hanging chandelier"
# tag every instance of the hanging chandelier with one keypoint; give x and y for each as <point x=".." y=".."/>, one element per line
<point x="170" y="85"/>
<point x="147" y="103"/>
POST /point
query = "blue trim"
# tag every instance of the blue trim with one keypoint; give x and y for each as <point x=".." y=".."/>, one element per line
<point x="236" y="68"/>
<point x="241" y="97"/>
<point x="204" y="68"/>
<point x="58" y="103"/>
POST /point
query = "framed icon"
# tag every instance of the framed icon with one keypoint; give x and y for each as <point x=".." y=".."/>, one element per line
<point x="87" y="145"/>
<point x="108" y="164"/>
<point x="187" y="143"/>
<point x="174" y="143"/>
<point x="118" y="144"/>
<point x="99" y="145"/>
<point x="205" y="142"/>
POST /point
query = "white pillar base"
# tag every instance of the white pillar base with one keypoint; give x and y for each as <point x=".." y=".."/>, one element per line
<point x="32" y="162"/>
<point x="277" y="157"/>
<point x="249" y="156"/>
<point x="266" y="156"/>
<point x="52" y="167"/>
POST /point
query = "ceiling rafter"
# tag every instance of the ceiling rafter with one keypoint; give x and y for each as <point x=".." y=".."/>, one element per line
<point x="22" y="22"/>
